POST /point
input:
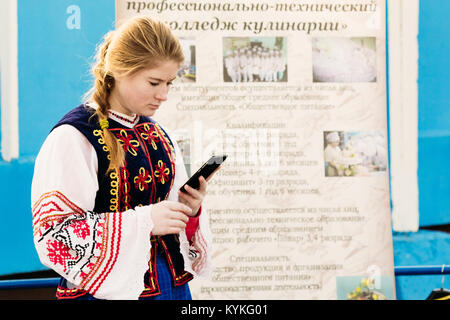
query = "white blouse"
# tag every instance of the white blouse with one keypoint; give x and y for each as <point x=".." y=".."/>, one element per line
<point x="106" y="253"/>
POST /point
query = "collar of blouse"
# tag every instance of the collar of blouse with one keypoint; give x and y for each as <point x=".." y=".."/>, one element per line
<point x="126" y="120"/>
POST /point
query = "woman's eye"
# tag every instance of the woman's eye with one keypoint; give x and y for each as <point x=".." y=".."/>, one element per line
<point x="155" y="84"/>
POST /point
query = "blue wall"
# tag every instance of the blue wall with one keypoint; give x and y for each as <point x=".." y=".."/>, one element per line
<point x="423" y="248"/>
<point x="434" y="113"/>
<point x="54" y="64"/>
<point x="430" y="247"/>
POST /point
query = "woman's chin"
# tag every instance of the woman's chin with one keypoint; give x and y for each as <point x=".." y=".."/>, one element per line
<point x="148" y="113"/>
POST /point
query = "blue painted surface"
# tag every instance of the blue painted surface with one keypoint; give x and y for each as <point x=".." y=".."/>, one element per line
<point x="420" y="248"/>
<point x="29" y="283"/>
<point x="16" y="236"/>
<point x="427" y="247"/>
<point x="54" y="64"/>
<point x="434" y="180"/>
<point x="0" y="106"/>
<point x="434" y="113"/>
<point x="422" y="270"/>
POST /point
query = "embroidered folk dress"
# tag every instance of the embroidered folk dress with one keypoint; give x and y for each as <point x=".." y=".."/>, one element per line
<point x="94" y="228"/>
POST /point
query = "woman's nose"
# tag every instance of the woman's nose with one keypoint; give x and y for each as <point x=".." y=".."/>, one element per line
<point x="161" y="94"/>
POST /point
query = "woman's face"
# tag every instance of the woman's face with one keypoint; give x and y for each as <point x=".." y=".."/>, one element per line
<point x="143" y="92"/>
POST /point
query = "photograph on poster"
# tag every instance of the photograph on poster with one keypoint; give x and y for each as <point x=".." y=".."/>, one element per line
<point x="183" y="139"/>
<point x="361" y="153"/>
<point x="343" y="60"/>
<point x="364" y="288"/>
<point x="187" y="72"/>
<point x="254" y="59"/>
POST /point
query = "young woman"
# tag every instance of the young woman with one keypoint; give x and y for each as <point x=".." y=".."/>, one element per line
<point x="108" y="215"/>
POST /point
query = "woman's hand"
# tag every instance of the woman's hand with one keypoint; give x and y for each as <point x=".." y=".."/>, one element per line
<point x="169" y="217"/>
<point x="193" y="198"/>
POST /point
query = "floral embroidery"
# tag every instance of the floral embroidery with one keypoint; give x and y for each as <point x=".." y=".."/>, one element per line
<point x="150" y="134"/>
<point x="58" y="253"/>
<point x="129" y="144"/>
<point x="81" y="229"/>
<point x="162" y="172"/>
<point x="167" y="145"/>
<point x="142" y="180"/>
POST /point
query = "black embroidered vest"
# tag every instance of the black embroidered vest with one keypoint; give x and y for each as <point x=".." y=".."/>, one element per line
<point x="146" y="178"/>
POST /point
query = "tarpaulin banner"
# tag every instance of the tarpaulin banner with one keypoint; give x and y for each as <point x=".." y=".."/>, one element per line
<point x="294" y="92"/>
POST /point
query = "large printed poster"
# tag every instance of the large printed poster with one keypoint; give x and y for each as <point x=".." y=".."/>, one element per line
<point x="294" y="92"/>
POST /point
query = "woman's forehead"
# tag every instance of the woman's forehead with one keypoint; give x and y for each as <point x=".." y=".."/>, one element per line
<point x="164" y="71"/>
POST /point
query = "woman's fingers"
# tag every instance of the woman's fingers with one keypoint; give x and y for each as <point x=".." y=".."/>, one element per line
<point x="214" y="172"/>
<point x="179" y="207"/>
<point x="179" y="216"/>
<point x="199" y="193"/>
<point x="176" y="223"/>
<point x="191" y="195"/>
<point x="203" y="183"/>
<point x="195" y="193"/>
<point x="170" y="217"/>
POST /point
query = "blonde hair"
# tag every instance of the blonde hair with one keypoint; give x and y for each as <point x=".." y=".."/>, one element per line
<point x="137" y="44"/>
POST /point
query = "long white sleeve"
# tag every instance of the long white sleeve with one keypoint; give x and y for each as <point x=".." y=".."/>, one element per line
<point x="104" y="253"/>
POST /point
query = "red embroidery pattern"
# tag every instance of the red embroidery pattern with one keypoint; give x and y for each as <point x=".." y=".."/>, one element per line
<point x="150" y="134"/>
<point x="162" y="172"/>
<point x="89" y="267"/>
<point x="142" y="180"/>
<point x="58" y="253"/>
<point x="51" y="208"/>
<point x="71" y="239"/>
<point x="59" y="196"/>
<point x="123" y="118"/>
<point x="80" y="229"/>
<point x="169" y="149"/>
<point x="101" y="244"/>
<point x="88" y="271"/>
<point x="113" y="253"/>
<point x="201" y="246"/>
<point x="129" y="144"/>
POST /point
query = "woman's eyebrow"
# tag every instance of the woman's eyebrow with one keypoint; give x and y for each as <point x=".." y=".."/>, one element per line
<point x="161" y="80"/>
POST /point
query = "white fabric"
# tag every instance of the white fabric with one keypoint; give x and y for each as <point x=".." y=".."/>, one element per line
<point x="63" y="196"/>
